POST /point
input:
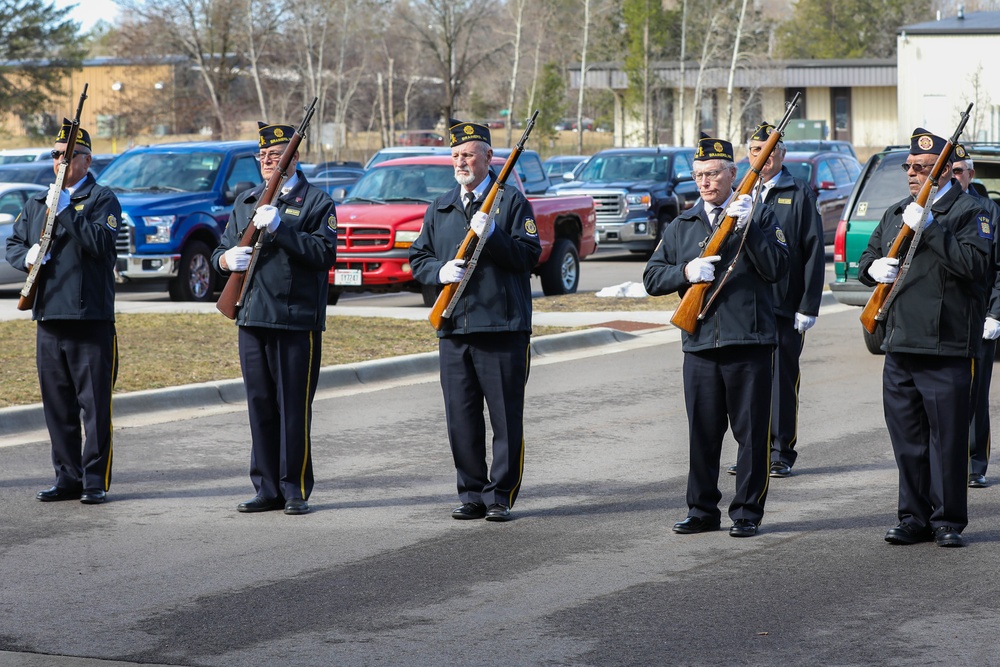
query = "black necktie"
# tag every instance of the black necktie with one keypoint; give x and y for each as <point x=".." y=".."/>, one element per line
<point x="716" y="214"/>
<point x="470" y="201"/>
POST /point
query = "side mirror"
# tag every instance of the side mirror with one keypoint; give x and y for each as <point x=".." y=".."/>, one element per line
<point x="242" y="186"/>
<point x="684" y="176"/>
<point x="339" y="194"/>
<point x="568" y="176"/>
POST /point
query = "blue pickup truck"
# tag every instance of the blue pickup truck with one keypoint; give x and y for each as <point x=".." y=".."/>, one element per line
<point x="176" y="200"/>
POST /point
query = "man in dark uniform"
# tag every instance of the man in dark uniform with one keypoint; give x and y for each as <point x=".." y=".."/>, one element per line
<point x="933" y="331"/>
<point x="484" y="345"/>
<point x="76" y="346"/>
<point x="281" y="322"/>
<point x="979" y="426"/>
<point x="728" y="358"/>
<point x="796" y="296"/>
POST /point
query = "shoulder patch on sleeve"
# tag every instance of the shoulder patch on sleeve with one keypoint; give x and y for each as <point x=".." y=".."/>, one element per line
<point x="112" y="222"/>
<point x="530" y="228"/>
<point x="780" y="236"/>
<point x="985" y="228"/>
<point x="331" y="222"/>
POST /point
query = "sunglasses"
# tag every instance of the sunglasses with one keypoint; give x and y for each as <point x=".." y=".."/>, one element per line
<point x="916" y="166"/>
<point x="958" y="171"/>
<point x="56" y="155"/>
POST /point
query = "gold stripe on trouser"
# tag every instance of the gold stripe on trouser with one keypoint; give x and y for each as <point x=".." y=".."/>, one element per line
<point x="307" y="425"/>
<point x="520" y="470"/>
<point x="972" y="402"/>
<point x="111" y="423"/>
<point x="770" y="408"/>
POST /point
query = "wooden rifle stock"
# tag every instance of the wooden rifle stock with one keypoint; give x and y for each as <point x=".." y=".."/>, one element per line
<point x="26" y="299"/>
<point x="872" y="310"/>
<point x="450" y="291"/>
<point x="234" y="293"/>
<point x="689" y="310"/>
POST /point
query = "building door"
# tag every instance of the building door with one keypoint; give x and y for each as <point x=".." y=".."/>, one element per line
<point x="840" y="99"/>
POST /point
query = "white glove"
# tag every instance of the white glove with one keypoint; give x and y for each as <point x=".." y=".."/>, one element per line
<point x="991" y="329"/>
<point x="884" y="269"/>
<point x="32" y="256"/>
<point x="740" y="209"/>
<point x="57" y="199"/>
<point x="238" y="258"/>
<point x="804" y="323"/>
<point x="701" y="269"/>
<point x="482" y="225"/>
<point x="912" y="213"/>
<point x="267" y="217"/>
<point x="452" y="272"/>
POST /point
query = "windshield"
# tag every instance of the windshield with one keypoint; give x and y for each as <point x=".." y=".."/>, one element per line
<point x="608" y="168"/>
<point x="885" y="185"/>
<point x="412" y="182"/>
<point x="800" y="170"/>
<point x="17" y="159"/>
<point x="149" y="172"/>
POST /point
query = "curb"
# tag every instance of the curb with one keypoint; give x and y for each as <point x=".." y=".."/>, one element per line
<point x="25" y="418"/>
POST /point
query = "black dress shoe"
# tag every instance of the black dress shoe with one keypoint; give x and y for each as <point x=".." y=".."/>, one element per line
<point x="731" y="469"/>
<point x="743" y="528"/>
<point x="469" y="511"/>
<point x="977" y="481"/>
<point x="296" y="506"/>
<point x="946" y="536"/>
<point x="779" y="469"/>
<point x="695" y="524"/>
<point x="498" y="512"/>
<point x="57" y="493"/>
<point x="93" y="497"/>
<point x="904" y="533"/>
<point x="258" y="504"/>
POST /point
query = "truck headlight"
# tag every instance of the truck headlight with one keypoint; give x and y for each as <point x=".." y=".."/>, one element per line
<point x="638" y="200"/>
<point x="160" y="224"/>
<point x="404" y="239"/>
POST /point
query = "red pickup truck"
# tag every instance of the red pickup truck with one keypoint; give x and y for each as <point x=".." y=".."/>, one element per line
<point x="382" y="216"/>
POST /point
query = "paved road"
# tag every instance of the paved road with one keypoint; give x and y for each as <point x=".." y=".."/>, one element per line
<point x="588" y="574"/>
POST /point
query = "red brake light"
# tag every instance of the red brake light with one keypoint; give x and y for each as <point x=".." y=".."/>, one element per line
<point x="840" y="241"/>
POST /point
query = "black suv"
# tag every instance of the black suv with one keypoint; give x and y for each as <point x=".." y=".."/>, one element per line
<point x="881" y="184"/>
<point x="636" y="191"/>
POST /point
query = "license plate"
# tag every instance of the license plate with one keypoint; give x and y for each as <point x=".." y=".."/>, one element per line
<point x="347" y="277"/>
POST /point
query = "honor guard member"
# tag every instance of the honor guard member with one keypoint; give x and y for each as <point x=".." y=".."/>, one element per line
<point x="979" y="426"/>
<point x="281" y="322"/>
<point x="728" y="358"/>
<point x="933" y="331"/>
<point x="484" y="345"/>
<point x="796" y="296"/>
<point x="76" y="346"/>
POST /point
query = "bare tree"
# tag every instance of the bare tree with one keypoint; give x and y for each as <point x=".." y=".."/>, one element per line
<point x="262" y="20"/>
<point x="583" y="75"/>
<point x="452" y="34"/>
<point x="517" y="8"/>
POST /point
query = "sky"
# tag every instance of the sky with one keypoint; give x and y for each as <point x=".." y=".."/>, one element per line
<point x="88" y="12"/>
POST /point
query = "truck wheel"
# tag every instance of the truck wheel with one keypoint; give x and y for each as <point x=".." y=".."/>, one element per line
<point x="195" y="276"/>
<point x="561" y="274"/>
<point x="873" y="341"/>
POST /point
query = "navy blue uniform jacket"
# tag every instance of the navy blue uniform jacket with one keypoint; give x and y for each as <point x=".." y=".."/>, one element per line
<point x="743" y="312"/>
<point x="289" y="286"/>
<point x="78" y="282"/>
<point x="498" y="296"/>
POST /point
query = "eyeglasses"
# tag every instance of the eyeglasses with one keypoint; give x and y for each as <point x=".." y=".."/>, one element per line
<point x="916" y="166"/>
<point x="57" y="155"/>
<point x="706" y="175"/>
<point x="958" y="171"/>
<point x="754" y="151"/>
<point x="271" y="156"/>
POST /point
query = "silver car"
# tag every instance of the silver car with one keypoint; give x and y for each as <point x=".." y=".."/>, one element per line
<point x="12" y="198"/>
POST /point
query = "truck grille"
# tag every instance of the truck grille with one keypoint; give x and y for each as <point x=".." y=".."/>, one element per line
<point x="608" y="206"/>
<point x="125" y="241"/>
<point x="364" y="238"/>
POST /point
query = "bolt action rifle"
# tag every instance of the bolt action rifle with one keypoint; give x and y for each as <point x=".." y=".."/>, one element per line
<point x="448" y="298"/>
<point x="884" y="294"/>
<point x="690" y="311"/>
<point x="27" y="297"/>
<point x="235" y="292"/>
